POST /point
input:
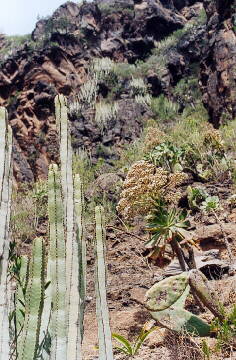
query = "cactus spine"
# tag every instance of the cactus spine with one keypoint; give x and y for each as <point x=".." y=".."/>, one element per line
<point x="33" y="304"/>
<point x="5" y="204"/>
<point x="105" y="342"/>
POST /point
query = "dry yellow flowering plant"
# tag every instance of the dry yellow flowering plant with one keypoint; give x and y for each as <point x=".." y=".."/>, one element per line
<point x="153" y="138"/>
<point x="213" y="138"/>
<point x="144" y="183"/>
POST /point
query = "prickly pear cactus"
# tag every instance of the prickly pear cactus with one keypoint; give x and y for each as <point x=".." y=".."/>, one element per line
<point x="159" y="298"/>
<point x="166" y="300"/>
<point x="200" y="286"/>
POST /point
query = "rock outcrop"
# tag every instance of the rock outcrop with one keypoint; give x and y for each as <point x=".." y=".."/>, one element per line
<point x="218" y="67"/>
<point x="56" y="61"/>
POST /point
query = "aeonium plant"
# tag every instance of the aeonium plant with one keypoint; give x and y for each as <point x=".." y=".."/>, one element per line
<point x="167" y="225"/>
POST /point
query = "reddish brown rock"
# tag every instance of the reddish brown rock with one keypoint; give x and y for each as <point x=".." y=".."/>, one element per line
<point x="56" y="61"/>
<point x="218" y="67"/>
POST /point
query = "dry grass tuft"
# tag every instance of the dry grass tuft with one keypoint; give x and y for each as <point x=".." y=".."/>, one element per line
<point x="183" y="347"/>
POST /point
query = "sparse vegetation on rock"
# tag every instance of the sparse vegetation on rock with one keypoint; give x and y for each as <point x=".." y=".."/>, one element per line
<point x="145" y="134"/>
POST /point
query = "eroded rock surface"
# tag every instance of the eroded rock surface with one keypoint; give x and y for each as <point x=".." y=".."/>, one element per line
<point x="218" y="74"/>
<point x="57" y="58"/>
<point x="32" y="76"/>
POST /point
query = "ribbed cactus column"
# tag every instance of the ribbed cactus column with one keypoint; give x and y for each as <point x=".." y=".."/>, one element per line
<point x="79" y="214"/>
<point x="5" y="177"/>
<point x="5" y="204"/>
<point x="28" y="343"/>
<point x="104" y="332"/>
<point x="57" y="264"/>
<point x="75" y="305"/>
<point x="20" y="296"/>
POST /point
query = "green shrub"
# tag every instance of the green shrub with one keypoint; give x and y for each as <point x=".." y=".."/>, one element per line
<point x="164" y="109"/>
<point x="225" y="331"/>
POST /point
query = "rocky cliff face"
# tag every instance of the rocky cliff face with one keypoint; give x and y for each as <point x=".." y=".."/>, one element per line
<point x="218" y="75"/>
<point x="56" y="61"/>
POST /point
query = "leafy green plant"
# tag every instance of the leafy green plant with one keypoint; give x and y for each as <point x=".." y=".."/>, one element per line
<point x="129" y="348"/>
<point x="225" y="331"/>
<point x="187" y="92"/>
<point x="168" y="156"/>
<point x="196" y="196"/>
<point x="166" y="226"/>
<point x="210" y="204"/>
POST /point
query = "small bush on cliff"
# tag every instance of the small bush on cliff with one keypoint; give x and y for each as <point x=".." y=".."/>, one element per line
<point x="164" y="109"/>
<point x="29" y="212"/>
<point x="13" y="43"/>
<point x="125" y="9"/>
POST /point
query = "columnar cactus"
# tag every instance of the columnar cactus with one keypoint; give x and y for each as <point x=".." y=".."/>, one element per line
<point x="5" y="203"/>
<point x="79" y="209"/>
<point x="62" y="303"/>
<point x="57" y="265"/>
<point x="20" y="296"/>
<point x="28" y="341"/>
<point x="75" y="249"/>
<point x="105" y="343"/>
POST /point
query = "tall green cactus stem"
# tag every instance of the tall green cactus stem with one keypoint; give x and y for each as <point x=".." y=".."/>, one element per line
<point x="46" y="314"/>
<point x="5" y="204"/>
<point x="104" y="332"/>
<point x="5" y="178"/>
<point x="74" y="304"/>
<point x="165" y="301"/>
<point x="79" y="210"/>
<point x="20" y="296"/>
<point x="77" y="281"/>
<point x="57" y="257"/>
<point x="28" y="344"/>
<point x="4" y="306"/>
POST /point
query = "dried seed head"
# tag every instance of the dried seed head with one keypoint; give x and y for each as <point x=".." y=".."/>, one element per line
<point x="213" y="137"/>
<point x="153" y="138"/>
<point x="143" y="183"/>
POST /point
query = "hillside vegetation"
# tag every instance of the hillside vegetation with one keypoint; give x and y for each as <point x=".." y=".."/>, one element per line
<point x="118" y="205"/>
